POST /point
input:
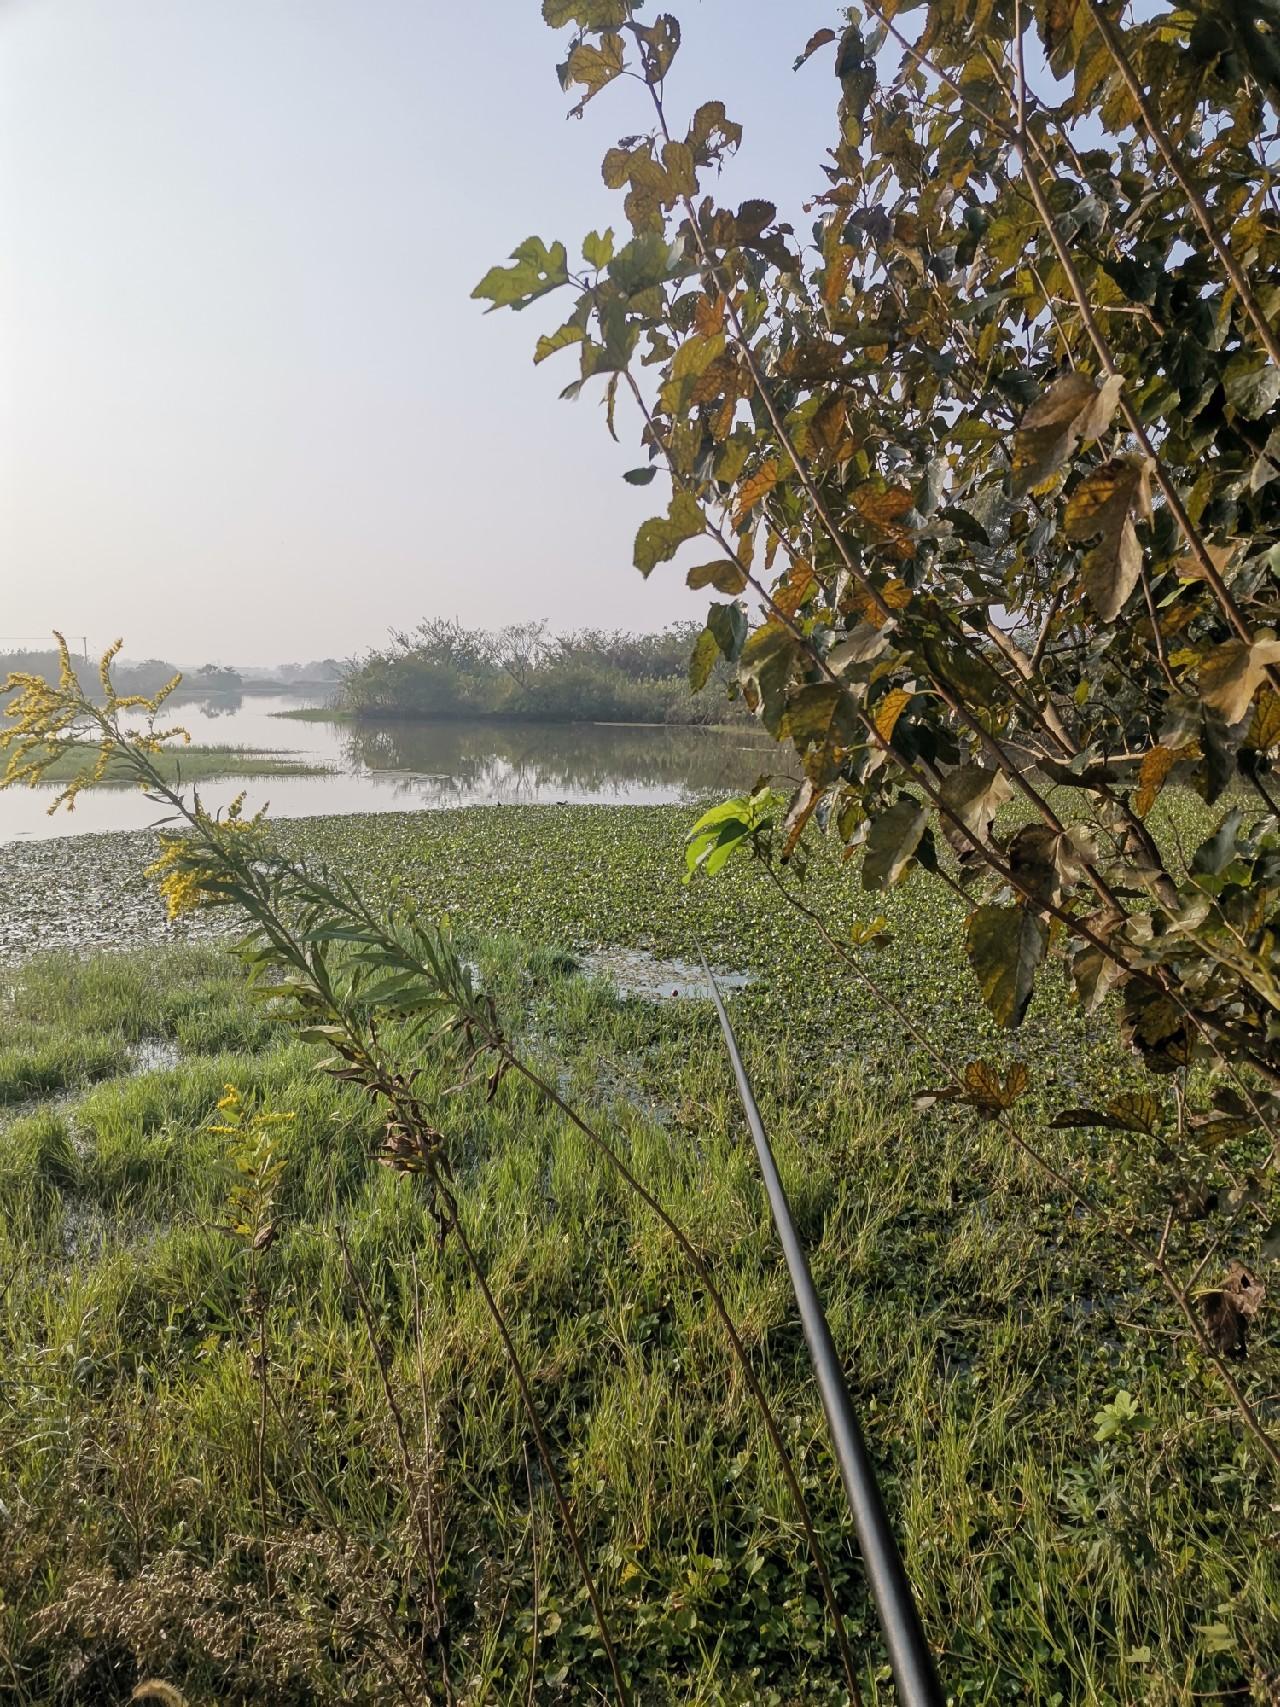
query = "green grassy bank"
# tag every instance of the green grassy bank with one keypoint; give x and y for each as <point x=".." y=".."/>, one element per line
<point x="196" y="763"/>
<point x="986" y="1326"/>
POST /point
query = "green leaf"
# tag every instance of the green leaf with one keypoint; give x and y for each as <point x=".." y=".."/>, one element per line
<point x="1120" y="1415"/>
<point x="597" y="249"/>
<point x="711" y="134"/>
<point x="662" y="536"/>
<point x="561" y="339"/>
<point x="706" y="649"/>
<point x="1217" y="851"/>
<point x="891" y="844"/>
<point x="1252" y="384"/>
<point x="646" y="261"/>
<point x="766" y="662"/>
<point x="974" y="794"/>
<point x="640" y="476"/>
<point x="810" y="712"/>
<point x="659" y="43"/>
<point x="727" y="827"/>
<point x="728" y="623"/>
<point x="537" y="270"/>
<point x="1005" y="946"/>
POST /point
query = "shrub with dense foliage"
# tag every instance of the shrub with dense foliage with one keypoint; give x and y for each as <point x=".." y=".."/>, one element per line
<point x="442" y="669"/>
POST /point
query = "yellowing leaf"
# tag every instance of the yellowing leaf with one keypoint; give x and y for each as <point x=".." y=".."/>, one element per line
<point x="752" y="490"/>
<point x="795" y="587"/>
<point x="1071" y="411"/>
<point x="895" y="594"/>
<point x="889" y="710"/>
<point x="1264" y="731"/>
<point x="702" y="660"/>
<point x="1155" y="767"/>
<point x="1230" y="675"/>
<point x="660" y="538"/>
<point x="595" y="66"/>
<point x="723" y="575"/>
<point x="1099" y="508"/>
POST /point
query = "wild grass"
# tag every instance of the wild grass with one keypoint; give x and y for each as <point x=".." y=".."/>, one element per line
<point x="983" y="1324"/>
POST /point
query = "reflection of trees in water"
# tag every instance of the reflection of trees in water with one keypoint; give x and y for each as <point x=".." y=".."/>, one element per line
<point x="528" y="761"/>
<point x="210" y="705"/>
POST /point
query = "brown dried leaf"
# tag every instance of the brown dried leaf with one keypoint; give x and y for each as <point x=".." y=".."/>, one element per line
<point x="1100" y="508"/>
<point x="761" y="483"/>
<point x="1190" y="568"/>
<point x="1230" y="675"/>
<point x="1155" y="767"/>
<point x="1072" y="410"/>
<point x="1229" y="1309"/>
<point x="795" y="587"/>
<point x="839" y="268"/>
<point x="802" y="807"/>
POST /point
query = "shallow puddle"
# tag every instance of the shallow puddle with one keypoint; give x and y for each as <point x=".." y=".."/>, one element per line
<point x="153" y="1055"/>
<point x="636" y="972"/>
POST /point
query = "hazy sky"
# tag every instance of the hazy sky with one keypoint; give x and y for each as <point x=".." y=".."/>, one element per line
<point x="248" y="411"/>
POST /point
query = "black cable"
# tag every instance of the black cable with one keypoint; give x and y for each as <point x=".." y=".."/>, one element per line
<point x="909" y="1656"/>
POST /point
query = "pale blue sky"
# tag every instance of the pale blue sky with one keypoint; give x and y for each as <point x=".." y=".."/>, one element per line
<point x="247" y="409"/>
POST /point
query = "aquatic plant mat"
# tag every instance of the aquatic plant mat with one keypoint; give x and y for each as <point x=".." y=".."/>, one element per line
<point x="1082" y="1515"/>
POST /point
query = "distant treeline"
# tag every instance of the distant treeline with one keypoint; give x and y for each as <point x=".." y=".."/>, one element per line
<point x="130" y="676"/>
<point x="442" y="669"/>
<point x="146" y="676"/>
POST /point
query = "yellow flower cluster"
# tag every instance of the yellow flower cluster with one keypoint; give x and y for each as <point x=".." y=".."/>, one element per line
<point x="240" y="1117"/>
<point x="185" y="870"/>
<point x="50" y="722"/>
<point x="179" y="883"/>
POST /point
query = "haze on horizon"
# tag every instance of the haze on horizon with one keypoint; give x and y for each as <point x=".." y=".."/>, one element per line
<point x="248" y="410"/>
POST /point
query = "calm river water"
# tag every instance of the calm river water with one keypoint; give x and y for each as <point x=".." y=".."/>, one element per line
<point x="400" y="766"/>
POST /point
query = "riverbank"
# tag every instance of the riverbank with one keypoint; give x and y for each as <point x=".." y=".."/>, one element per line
<point x="987" y="1327"/>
